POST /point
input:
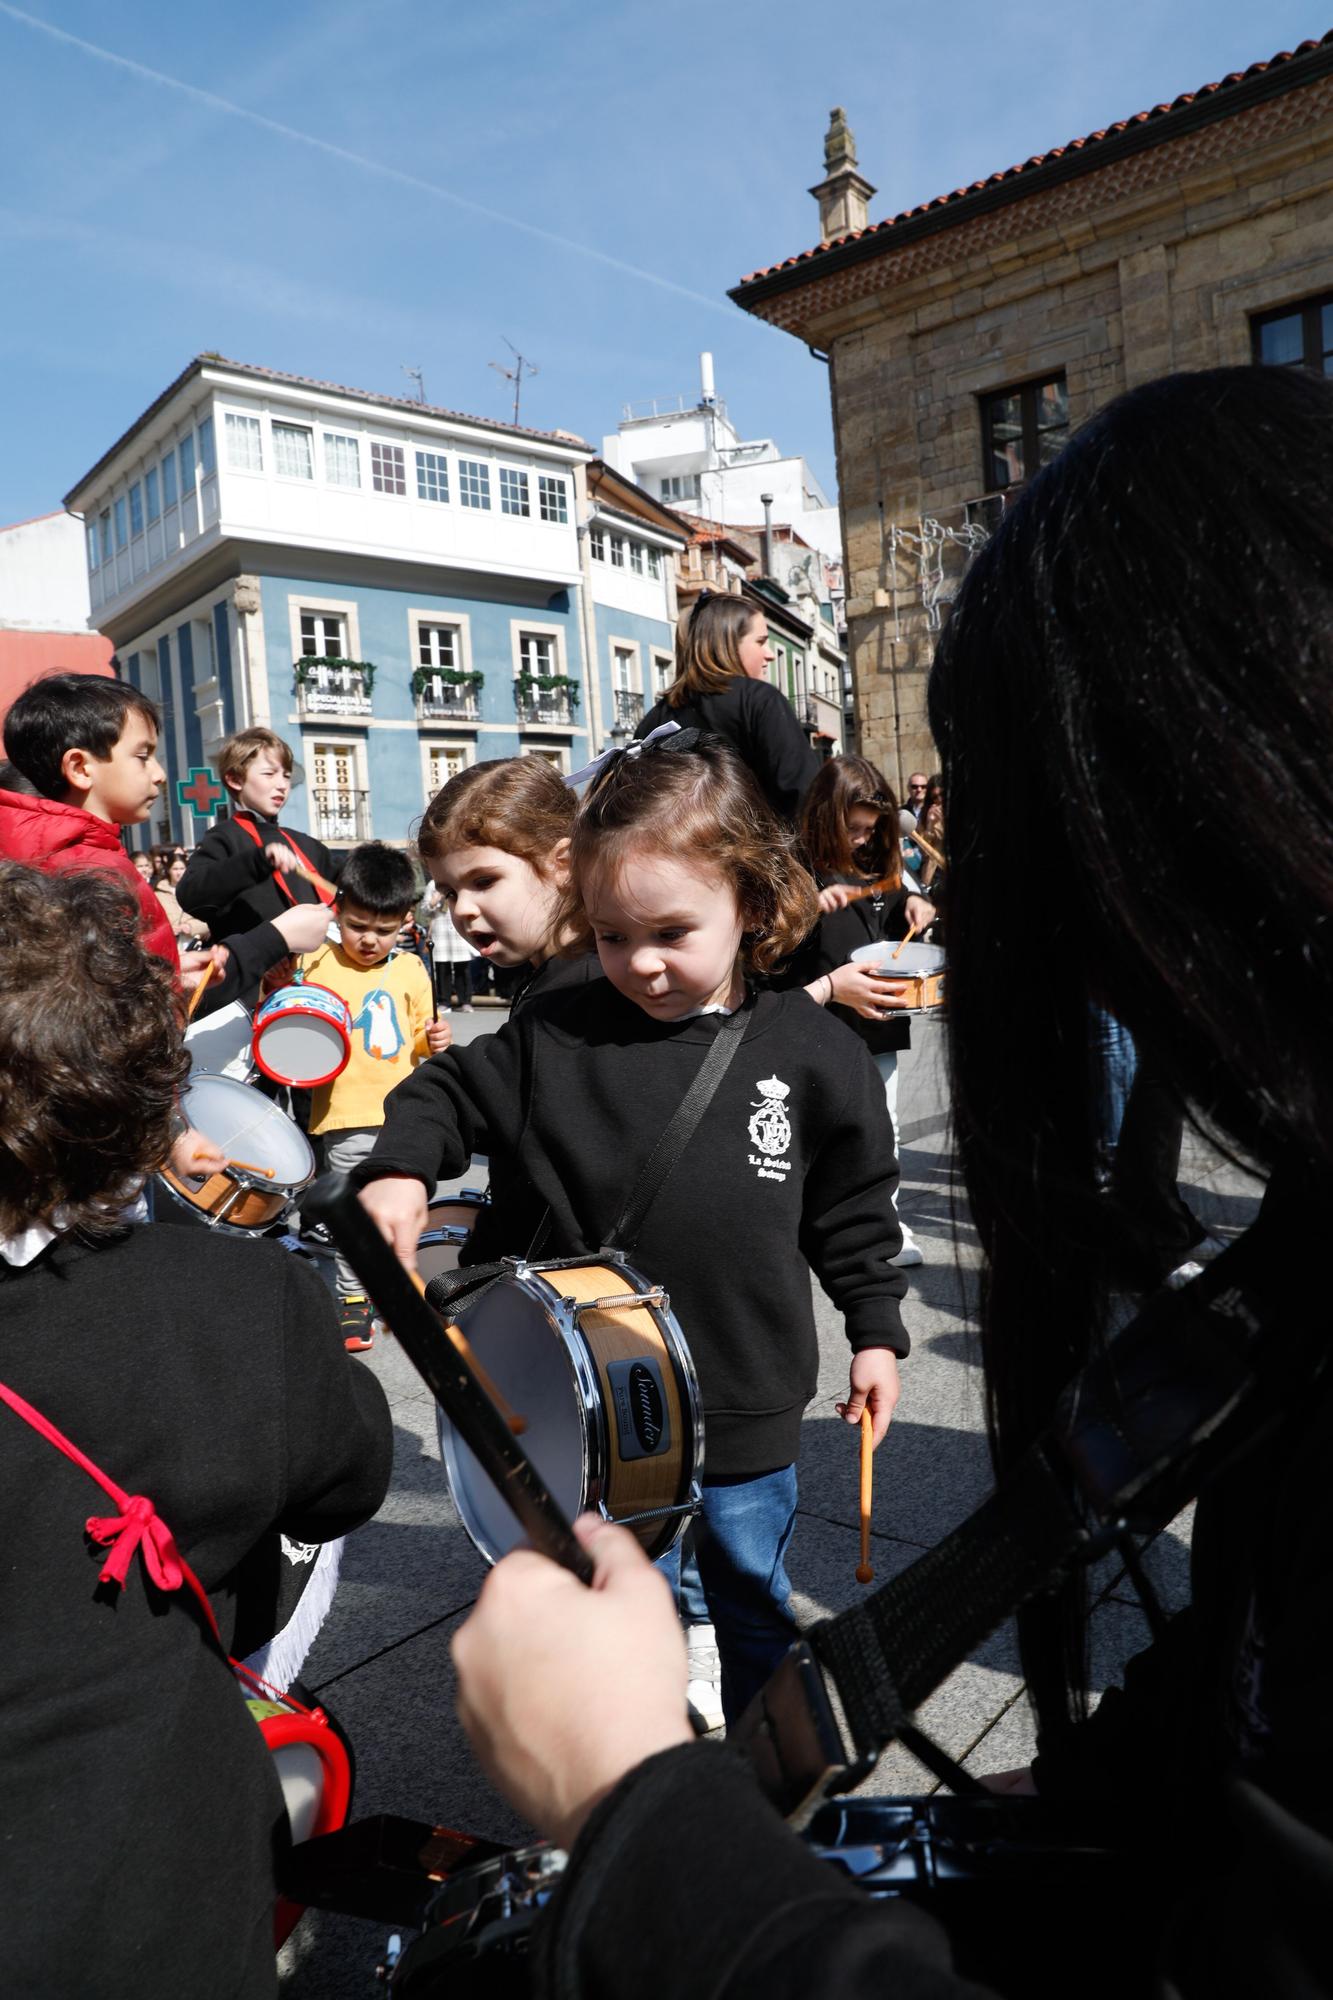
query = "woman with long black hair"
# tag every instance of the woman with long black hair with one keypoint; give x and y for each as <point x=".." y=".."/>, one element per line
<point x="1137" y="682"/>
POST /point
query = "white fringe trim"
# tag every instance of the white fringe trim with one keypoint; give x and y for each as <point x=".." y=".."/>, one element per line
<point x="281" y="1660"/>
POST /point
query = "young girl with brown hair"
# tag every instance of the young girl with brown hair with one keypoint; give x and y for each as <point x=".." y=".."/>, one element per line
<point x="849" y="830"/>
<point x="686" y="885"/>
<point x="495" y="841"/>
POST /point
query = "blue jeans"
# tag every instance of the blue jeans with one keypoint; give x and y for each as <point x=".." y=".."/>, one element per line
<point x="740" y="1538"/>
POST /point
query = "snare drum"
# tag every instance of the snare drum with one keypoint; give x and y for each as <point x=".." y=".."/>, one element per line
<point x="593" y="1358"/>
<point x="303" y="1035"/>
<point x="449" y="1223"/>
<point x="220" y="1044"/>
<point x="247" y="1126"/>
<point x="919" y="966"/>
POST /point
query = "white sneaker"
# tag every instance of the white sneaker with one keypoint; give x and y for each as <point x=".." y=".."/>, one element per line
<point x="910" y="1253"/>
<point x="703" y="1696"/>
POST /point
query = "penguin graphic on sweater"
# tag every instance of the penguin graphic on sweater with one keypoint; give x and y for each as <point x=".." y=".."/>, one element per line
<point x="381" y="1035"/>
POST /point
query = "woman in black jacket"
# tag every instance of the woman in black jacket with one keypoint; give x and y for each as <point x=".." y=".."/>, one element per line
<point x="1137" y="679"/>
<point x="849" y="833"/>
<point x="722" y="685"/>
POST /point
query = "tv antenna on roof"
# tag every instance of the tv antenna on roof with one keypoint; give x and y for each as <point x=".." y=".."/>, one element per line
<point x="415" y="375"/>
<point x="515" y="374"/>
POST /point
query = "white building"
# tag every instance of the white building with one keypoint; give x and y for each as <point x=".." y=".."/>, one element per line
<point x="693" y="457"/>
<point x="399" y="590"/>
<point x="44" y="605"/>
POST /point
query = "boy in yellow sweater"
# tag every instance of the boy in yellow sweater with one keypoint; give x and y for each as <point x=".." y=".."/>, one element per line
<point x="392" y="1030"/>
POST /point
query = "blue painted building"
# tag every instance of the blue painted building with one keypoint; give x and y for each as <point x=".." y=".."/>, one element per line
<point x="396" y="589"/>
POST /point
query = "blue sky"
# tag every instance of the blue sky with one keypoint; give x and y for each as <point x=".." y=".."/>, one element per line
<point x="140" y="223"/>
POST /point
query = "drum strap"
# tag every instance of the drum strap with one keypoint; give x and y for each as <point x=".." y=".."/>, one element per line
<point x="449" y="1288"/>
<point x="1193" y="1385"/>
<point x="680" y="1129"/>
<point x="247" y="826"/>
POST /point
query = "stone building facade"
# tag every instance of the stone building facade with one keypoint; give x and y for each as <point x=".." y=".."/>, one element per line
<point x="967" y="337"/>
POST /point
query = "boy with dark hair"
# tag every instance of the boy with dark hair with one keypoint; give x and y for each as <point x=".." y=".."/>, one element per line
<point x="241" y="874"/>
<point x="89" y="747"/>
<point x="392" y="1029"/>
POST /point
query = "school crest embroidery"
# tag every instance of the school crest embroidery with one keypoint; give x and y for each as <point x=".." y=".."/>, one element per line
<point x="770" y="1128"/>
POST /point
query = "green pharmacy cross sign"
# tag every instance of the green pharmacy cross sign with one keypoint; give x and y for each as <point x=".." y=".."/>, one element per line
<point x="200" y="792"/>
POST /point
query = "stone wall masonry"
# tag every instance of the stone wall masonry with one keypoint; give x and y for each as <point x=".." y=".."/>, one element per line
<point x="1157" y="263"/>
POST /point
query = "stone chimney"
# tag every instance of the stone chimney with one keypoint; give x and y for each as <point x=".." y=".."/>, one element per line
<point x="844" y="194"/>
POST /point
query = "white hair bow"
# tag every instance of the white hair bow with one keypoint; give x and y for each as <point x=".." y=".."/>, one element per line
<point x="635" y="749"/>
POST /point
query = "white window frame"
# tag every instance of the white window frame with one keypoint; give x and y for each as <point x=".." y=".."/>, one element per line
<point x="617" y="551"/>
<point x="280" y="426"/>
<point x="550" y="753"/>
<point x="438" y="471"/>
<point x="238" y="426"/>
<point x="654" y="555"/>
<point x="663" y="669"/>
<point x="637" y="563"/>
<point x="424" y="614"/>
<point x="553" y="499"/>
<point x="516" y="504"/>
<point x="597" y="544"/>
<point x="389" y="446"/>
<point x="344" y="607"/>
<point x="519" y="626"/>
<point x="328" y="438"/>
<point x="630" y="646"/>
<point x="442" y="745"/>
<point x="314" y="739"/>
<point x="468" y="466"/>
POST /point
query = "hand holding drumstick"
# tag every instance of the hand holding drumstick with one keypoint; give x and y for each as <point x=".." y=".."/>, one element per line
<point x="873" y="1393"/>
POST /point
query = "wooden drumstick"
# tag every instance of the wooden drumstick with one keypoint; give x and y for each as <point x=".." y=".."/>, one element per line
<point x="931" y="853"/>
<point x="864" y="1573"/>
<point x="462" y="1345"/>
<point x="906" y="940"/>
<point x="249" y="1167"/>
<point x="883" y="887"/>
<point x="313" y="876"/>
<point x="198" y="993"/>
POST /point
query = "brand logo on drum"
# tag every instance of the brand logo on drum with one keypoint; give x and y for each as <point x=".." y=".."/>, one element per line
<point x="642" y="1424"/>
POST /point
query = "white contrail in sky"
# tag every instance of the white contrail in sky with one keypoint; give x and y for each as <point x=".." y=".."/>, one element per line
<point x="361" y="160"/>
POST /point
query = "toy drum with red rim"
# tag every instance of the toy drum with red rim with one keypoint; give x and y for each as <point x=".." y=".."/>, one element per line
<point x="303" y="1035"/>
<point x="315" y="1773"/>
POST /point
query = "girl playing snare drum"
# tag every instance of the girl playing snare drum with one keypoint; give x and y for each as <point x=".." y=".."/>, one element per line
<point x="686" y="884"/>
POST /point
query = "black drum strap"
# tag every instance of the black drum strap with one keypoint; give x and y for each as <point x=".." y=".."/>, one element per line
<point x="676" y="1136"/>
<point x="1190" y="1389"/>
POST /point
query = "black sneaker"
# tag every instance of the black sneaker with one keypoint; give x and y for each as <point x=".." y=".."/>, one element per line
<point x="356" y="1322"/>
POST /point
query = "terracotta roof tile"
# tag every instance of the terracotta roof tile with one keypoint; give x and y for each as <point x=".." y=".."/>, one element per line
<point x="1138" y="118"/>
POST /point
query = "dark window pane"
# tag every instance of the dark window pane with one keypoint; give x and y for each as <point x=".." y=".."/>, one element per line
<point x="1280" y="341"/>
<point x="1052" y="406"/>
<point x="1326" y="331"/>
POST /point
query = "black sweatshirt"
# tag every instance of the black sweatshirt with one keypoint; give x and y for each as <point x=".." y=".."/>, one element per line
<point x="761" y="726"/>
<point x="229" y="883"/>
<point x="685" y="1881"/>
<point x="833" y="940"/>
<point x="139" y="1803"/>
<point x="791" y="1166"/>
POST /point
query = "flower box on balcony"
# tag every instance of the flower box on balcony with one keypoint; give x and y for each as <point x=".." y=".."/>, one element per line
<point x="530" y="686"/>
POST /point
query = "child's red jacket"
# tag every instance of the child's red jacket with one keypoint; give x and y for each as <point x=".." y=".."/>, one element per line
<point x="52" y="837"/>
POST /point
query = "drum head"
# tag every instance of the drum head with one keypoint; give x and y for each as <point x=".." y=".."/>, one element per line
<point x="448" y="1225"/>
<point x="249" y="1126"/>
<point x="219" y="1045"/>
<point x="908" y="960"/>
<point x="523" y="1348"/>
<point x="301" y="1049"/>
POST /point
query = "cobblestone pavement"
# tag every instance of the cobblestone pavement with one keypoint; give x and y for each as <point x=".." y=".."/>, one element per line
<point x="408" y="1579"/>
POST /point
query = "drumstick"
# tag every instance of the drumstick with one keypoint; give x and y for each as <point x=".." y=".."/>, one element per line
<point x="864" y="1573"/>
<point x="248" y="1167"/>
<point x="313" y="876"/>
<point x="926" y="848"/>
<point x="906" y="940"/>
<point x="460" y="1341"/>
<point x="880" y="888"/>
<point x="197" y="995"/>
